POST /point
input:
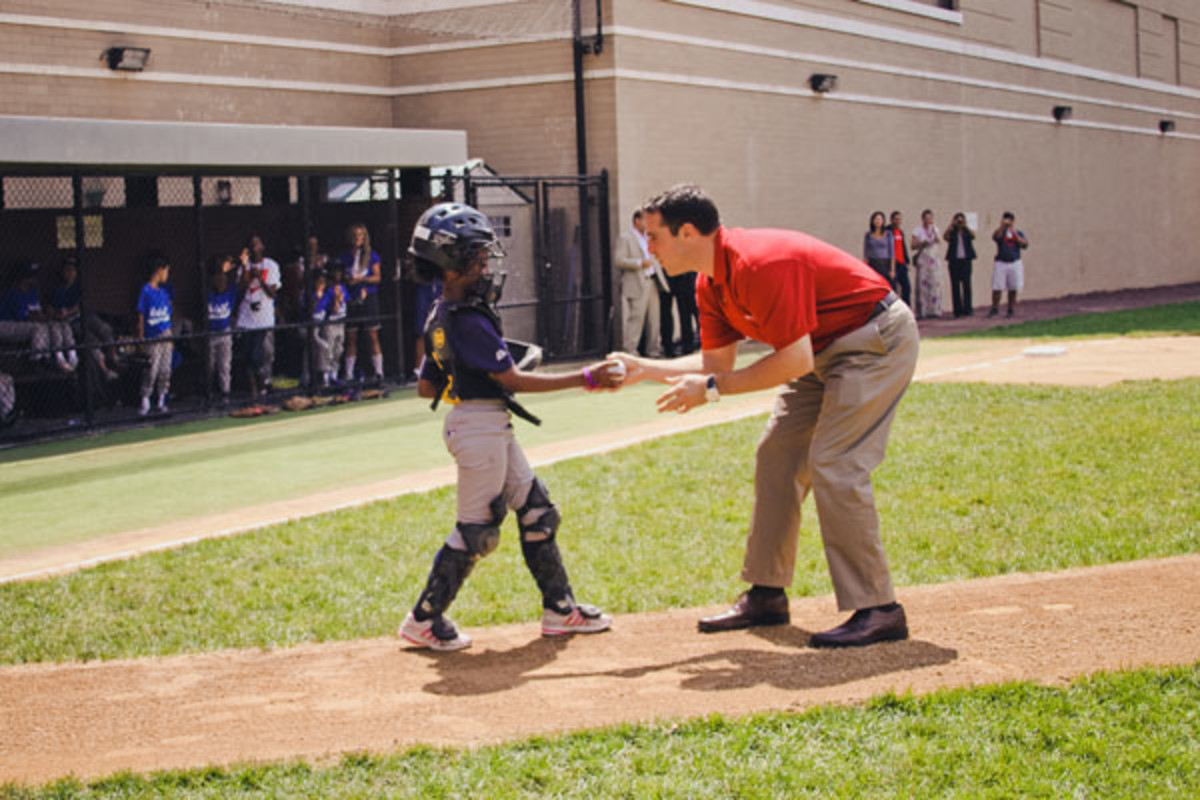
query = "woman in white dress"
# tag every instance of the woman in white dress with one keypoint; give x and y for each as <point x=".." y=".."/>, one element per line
<point x="928" y="289"/>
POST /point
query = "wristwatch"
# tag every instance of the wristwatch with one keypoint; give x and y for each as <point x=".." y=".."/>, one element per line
<point x="711" y="394"/>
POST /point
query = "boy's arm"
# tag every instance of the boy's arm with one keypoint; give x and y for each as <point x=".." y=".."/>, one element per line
<point x="141" y="328"/>
<point x="601" y="375"/>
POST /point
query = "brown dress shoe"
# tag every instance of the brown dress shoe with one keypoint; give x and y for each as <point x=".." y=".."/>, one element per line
<point x="749" y="611"/>
<point x="867" y="626"/>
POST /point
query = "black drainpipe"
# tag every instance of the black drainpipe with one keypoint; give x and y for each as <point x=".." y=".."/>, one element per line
<point x="582" y="46"/>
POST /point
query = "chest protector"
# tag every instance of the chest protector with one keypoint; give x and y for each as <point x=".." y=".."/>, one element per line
<point x="460" y="381"/>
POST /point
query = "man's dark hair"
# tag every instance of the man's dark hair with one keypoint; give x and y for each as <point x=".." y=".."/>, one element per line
<point x="683" y="204"/>
<point x="637" y="214"/>
<point x="1009" y="215"/>
<point x="894" y="215"/>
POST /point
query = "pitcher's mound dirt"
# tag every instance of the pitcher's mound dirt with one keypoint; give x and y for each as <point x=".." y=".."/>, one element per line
<point x="320" y="700"/>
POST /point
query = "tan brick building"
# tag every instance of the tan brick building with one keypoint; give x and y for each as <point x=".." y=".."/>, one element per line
<point x="947" y="108"/>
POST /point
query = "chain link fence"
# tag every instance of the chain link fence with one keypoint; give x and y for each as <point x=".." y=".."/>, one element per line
<point x="95" y="333"/>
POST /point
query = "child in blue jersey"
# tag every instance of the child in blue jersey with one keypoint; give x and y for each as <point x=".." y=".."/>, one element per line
<point x="222" y="300"/>
<point x="468" y="364"/>
<point x="154" y="324"/>
<point x="329" y="309"/>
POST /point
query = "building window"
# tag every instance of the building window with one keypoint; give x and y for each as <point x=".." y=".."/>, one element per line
<point x="502" y="226"/>
<point x="944" y="10"/>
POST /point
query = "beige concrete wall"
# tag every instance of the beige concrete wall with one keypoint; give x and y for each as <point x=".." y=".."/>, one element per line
<point x="1105" y="199"/>
<point x="947" y="114"/>
<point x="192" y="75"/>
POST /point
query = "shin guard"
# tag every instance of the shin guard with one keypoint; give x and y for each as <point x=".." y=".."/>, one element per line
<point x="450" y="568"/>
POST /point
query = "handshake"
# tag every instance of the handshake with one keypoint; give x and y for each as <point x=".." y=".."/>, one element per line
<point x="609" y="374"/>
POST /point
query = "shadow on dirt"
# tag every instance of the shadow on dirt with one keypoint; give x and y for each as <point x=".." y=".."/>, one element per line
<point x="490" y="671"/>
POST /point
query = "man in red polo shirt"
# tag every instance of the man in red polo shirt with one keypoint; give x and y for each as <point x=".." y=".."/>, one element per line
<point x="843" y="351"/>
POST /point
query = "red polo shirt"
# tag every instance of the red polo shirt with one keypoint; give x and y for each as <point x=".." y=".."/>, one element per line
<point x="776" y="286"/>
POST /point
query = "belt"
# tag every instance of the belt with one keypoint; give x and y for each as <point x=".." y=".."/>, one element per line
<point x="883" y="305"/>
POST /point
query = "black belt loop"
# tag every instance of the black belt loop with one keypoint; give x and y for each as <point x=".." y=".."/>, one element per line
<point x="883" y="305"/>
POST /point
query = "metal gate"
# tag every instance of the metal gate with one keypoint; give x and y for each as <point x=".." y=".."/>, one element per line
<point x="554" y="229"/>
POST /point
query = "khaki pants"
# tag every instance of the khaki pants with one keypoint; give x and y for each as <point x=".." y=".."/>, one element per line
<point x="157" y="376"/>
<point x="8" y="395"/>
<point x="328" y="344"/>
<point x="220" y="359"/>
<point x="639" y="299"/>
<point x="827" y="432"/>
<point x="479" y="434"/>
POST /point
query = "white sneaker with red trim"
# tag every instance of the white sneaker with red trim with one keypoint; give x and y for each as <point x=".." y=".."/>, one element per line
<point x="581" y="619"/>
<point x="437" y="633"/>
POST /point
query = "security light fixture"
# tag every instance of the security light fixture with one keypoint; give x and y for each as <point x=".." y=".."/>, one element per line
<point x="1062" y="113"/>
<point x="127" y="59"/>
<point x="1166" y="125"/>
<point x="822" y="83"/>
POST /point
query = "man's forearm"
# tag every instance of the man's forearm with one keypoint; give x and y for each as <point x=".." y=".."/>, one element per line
<point x="774" y="369"/>
<point x="659" y="369"/>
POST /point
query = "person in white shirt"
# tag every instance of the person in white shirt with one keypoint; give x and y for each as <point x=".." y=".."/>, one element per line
<point x="925" y="242"/>
<point x="639" y="295"/>
<point x="259" y="282"/>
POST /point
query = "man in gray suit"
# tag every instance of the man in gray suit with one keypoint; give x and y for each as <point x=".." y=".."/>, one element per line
<point x="639" y="294"/>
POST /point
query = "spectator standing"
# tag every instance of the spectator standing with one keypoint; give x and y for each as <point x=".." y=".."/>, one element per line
<point x="364" y="271"/>
<point x="66" y="303"/>
<point x="258" y="284"/>
<point x="1009" y="270"/>
<point x="222" y="299"/>
<point x="900" y="259"/>
<point x="960" y="253"/>
<point x="639" y="294"/>
<point x="329" y="307"/>
<point x="878" y="248"/>
<point x="925" y="242"/>
<point x="154" y="324"/>
<point x="23" y="320"/>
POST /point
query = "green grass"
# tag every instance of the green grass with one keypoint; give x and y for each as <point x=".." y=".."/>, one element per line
<point x="1133" y="734"/>
<point x="72" y="491"/>
<point x="69" y="492"/>
<point x="1175" y="319"/>
<point x="979" y="480"/>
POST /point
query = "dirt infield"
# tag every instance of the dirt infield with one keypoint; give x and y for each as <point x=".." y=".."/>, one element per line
<point x="317" y="701"/>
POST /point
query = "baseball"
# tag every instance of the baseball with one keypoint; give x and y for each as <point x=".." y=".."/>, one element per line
<point x="618" y="369"/>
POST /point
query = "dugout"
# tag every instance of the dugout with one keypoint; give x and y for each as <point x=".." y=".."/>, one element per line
<point x="193" y="191"/>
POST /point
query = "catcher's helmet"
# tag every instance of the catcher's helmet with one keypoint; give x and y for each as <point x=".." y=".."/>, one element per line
<point x="450" y="236"/>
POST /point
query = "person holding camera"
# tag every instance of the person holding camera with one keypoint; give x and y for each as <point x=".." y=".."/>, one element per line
<point x="1009" y="271"/>
<point x="960" y="253"/>
<point x="259" y="283"/>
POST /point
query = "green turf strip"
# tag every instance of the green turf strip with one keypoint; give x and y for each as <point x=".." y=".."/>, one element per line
<point x="979" y="480"/>
<point x="73" y="491"/>
<point x="1120" y="735"/>
<point x="1173" y="319"/>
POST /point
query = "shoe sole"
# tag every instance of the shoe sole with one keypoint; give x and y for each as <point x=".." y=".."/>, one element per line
<point x="897" y="636"/>
<point x="438" y="646"/>
<point x="764" y="621"/>
<point x="586" y="626"/>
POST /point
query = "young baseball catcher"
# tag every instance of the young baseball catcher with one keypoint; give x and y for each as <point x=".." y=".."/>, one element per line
<point x="469" y="364"/>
